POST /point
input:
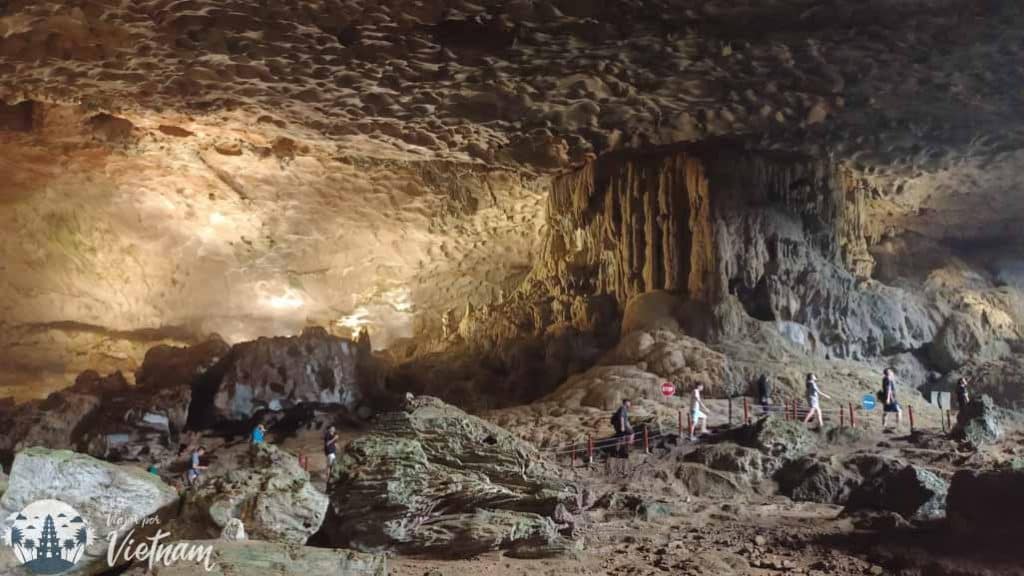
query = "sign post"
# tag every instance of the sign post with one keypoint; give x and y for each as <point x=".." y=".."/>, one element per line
<point x="668" y="389"/>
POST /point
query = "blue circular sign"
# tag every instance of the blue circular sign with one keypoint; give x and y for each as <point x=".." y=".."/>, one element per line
<point x="868" y="401"/>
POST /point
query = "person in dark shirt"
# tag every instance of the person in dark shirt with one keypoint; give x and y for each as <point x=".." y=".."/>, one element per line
<point x="195" y="466"/>
<point x="963" y="397"/>
<point x="889" y="403"/>
<point x="331" y="448"/>
<point x="623" y="430"/>
<point x="764" y="393"/>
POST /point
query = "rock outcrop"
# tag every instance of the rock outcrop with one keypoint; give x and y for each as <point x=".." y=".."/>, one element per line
<point x="272" y="497"/>
<point x="59" y="420"/>
<point x="911" y="491"/>
<point x="781" y="438"/>
<point x="435" y="480"/>
<point x="984" y="504"/>
<point x="277" y="374"/>
<point x="978" y="422"/>
<point x="255" y="557"/>
<point x="98" y="490"/>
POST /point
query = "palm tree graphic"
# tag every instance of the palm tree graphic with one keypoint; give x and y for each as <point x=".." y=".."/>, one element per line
<point x="81" y="538"/>
<point x="16" y="540"/>
<point x="30" y="545"/>
<point x="69" y="545"/>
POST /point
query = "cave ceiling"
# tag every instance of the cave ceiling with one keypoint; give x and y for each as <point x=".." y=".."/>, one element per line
<point x="176" y="168"/>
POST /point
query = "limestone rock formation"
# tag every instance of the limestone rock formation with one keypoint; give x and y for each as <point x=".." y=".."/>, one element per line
<point x="987" y="504"/>
<point x="432" y="479"/>
<point x="962" y="339"/>
<point x="781" y="438"/>
<point x="272" y="497"/>
<point x="57" y="421"/>
<point x="978" y="422"/>
<point x="747" y="463"/>
<point x="911" y="491"/>
<point x="810" y="479"/>
<point x="255" y="557"/>
<point x="280" y="373"/>
<point x="94" y="488"/>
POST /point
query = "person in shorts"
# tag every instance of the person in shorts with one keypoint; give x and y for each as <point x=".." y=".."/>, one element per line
<point x="889" y="403"/>
<point x="813" y="394"/>
<point x="331" y="448"/>
<point x="698" y="412"/>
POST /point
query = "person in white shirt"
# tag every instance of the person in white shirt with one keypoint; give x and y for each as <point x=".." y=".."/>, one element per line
<point x="813" y="400"/>
<point x="698" y="412"/>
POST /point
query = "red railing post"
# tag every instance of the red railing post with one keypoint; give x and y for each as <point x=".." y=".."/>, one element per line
<point x="910" y="410"/>
<point x="746" y="411"/>
<point x="842" y="417"/>
<point x="689" y="422"/>
<point x="853" y="421"/>
<point x="647" y="441"/>
<point x="680" y="423"/>
<point x="949" y="420"/>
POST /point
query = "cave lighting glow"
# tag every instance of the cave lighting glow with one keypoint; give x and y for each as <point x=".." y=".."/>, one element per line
<point x="357" y="319"/>
<point x="288" y="299"/>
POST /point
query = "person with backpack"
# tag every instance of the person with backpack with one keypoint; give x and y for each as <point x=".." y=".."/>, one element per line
<point x="698" y="412"/>
<point x="764" y="393"/>
<point x="813" y="394"/>
<point x="889" y="403"/>
<point x="623" y="430"/>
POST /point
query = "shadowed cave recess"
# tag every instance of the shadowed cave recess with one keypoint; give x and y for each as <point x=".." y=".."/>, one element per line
<point x="215" y="214"/>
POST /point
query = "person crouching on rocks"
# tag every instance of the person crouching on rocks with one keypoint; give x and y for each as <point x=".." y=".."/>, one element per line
<point x="195" y="466"/>
<point x="331" y="449"/>
<point x="889" y="403"/>
<point x="623" y="430"/>
<point x="813" y="394"/>
<point x="698" y="412"/>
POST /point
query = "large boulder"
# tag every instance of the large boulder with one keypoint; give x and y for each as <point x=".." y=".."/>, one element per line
<point x="96" y="489"/>
<point x="786" y="439"/>
<point x="978" y="422"/>
<point x="60" y="420"/>
<point x="911" y="491"/>
<point x="678" y="358"/>
<point x="255" y="557"/>
<point x="273" y="498"/>
<point x="279" y="373"/>
<point x="987" y="504"/>
<point x="432" y="479"/>
<point x="809" y="479"/>
<point x="746" y="463"/>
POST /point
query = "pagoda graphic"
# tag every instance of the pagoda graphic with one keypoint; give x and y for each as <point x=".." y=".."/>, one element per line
<point x="48" y="559"/>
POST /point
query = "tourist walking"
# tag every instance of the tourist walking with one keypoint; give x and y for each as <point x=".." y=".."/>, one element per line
<point x="889" y="403"/>
<point x="813" y="394"/>
<point x="698" y="412"/>
<point x="623" y="429"/>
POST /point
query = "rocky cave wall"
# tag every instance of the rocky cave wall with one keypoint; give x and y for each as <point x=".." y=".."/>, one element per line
<point x="781" y="233"/>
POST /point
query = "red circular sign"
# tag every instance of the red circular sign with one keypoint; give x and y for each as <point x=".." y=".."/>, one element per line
<point x="667" y="389"/>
